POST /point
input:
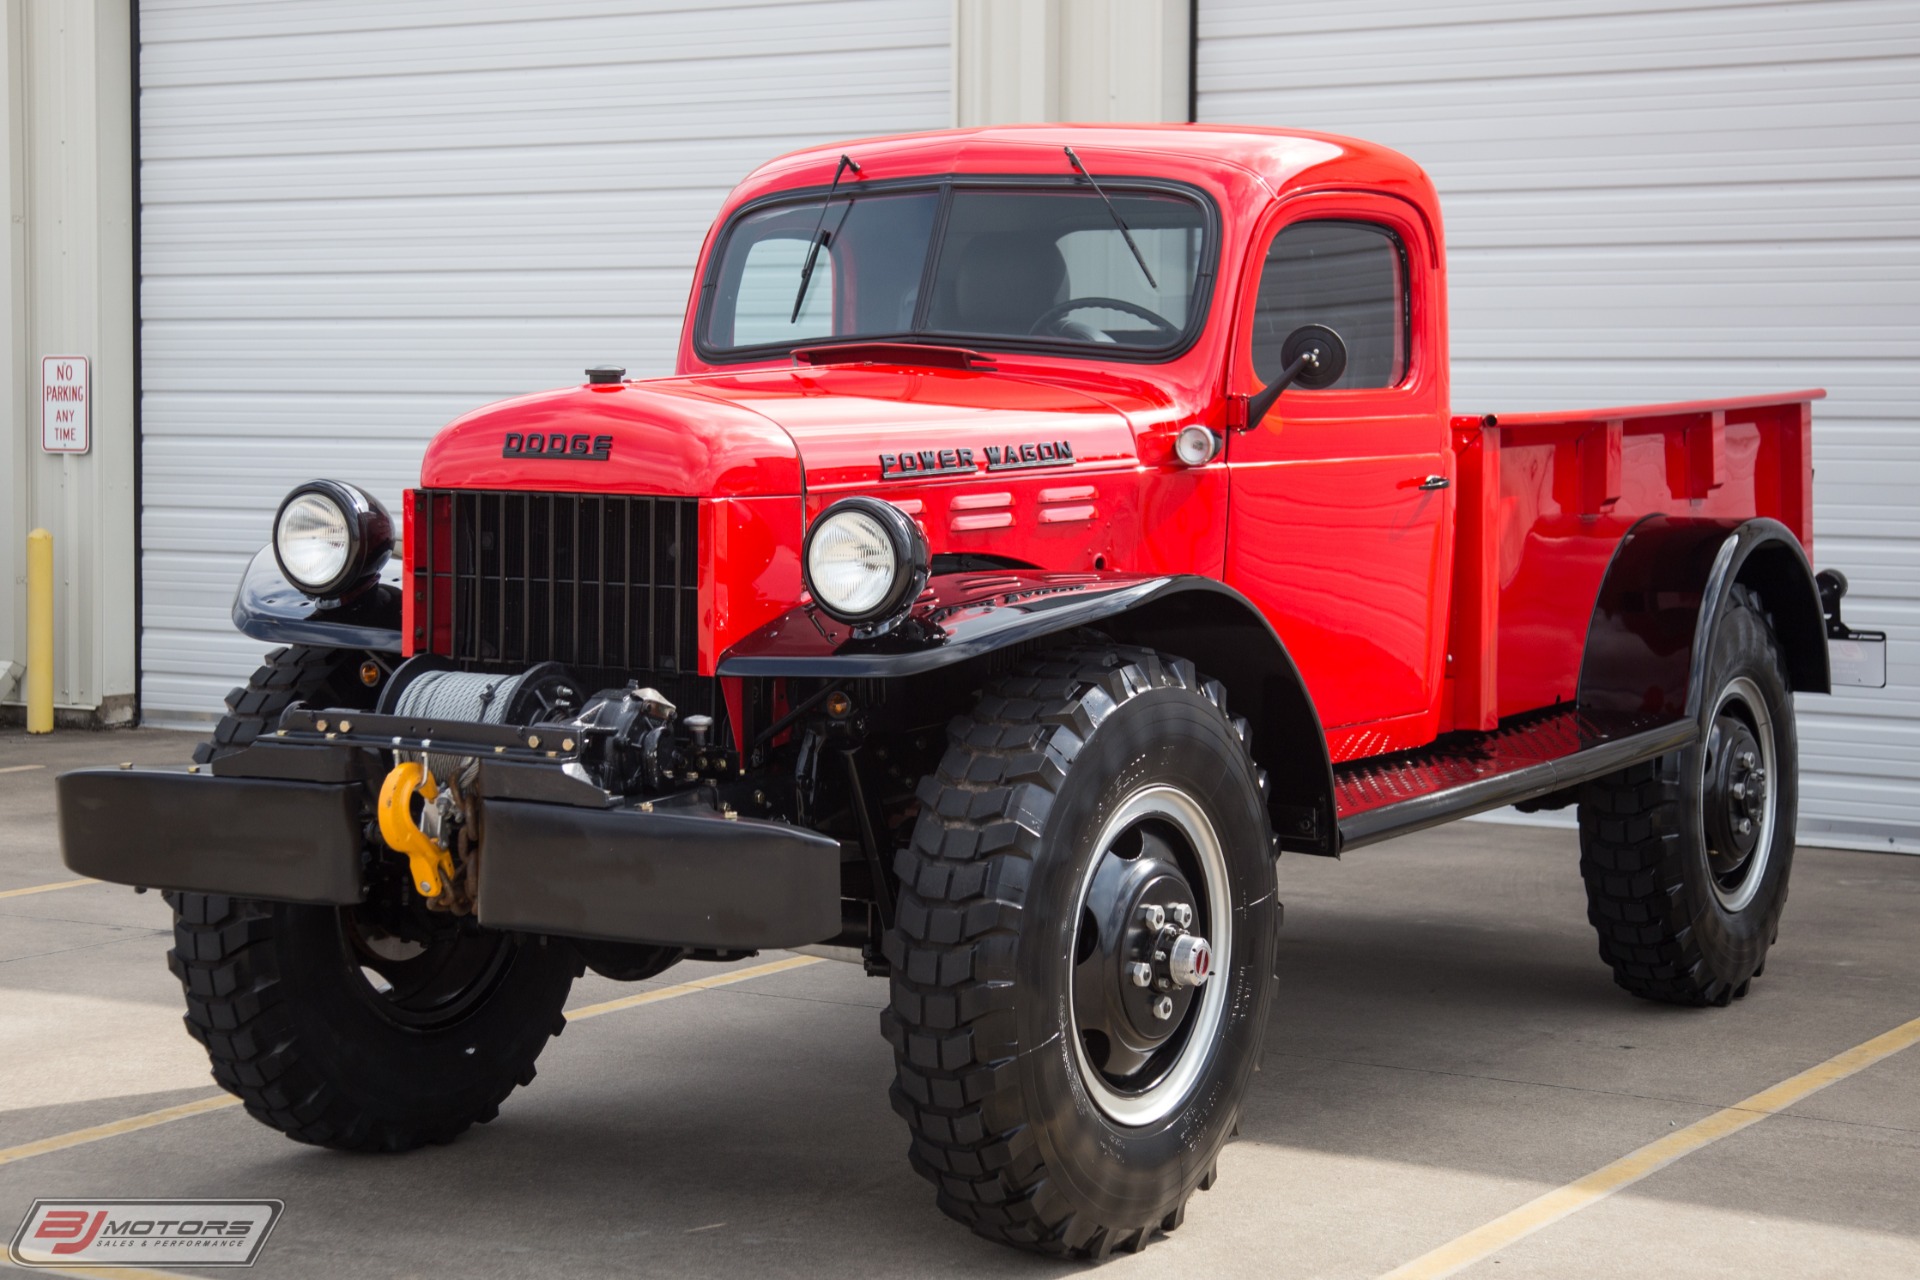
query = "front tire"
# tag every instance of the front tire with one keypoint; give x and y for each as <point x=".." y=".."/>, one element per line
<point x="337" y="1029"/>
<point x="379" y="1027"/>
<point x="1096" y="808"/>
<point x="1686" y="858"/>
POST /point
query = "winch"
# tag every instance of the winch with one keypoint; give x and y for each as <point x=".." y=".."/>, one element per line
<point x="623" y="741"/>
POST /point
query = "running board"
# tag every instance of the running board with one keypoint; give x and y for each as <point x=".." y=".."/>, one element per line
<point x="1467" y="773"/>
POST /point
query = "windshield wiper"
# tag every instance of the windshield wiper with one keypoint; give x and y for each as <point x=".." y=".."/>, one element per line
<point x="813" y="249"/>
<point x="1118" y="221"/>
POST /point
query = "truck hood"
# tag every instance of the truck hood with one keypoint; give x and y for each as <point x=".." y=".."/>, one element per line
<point x="771" y="431"/>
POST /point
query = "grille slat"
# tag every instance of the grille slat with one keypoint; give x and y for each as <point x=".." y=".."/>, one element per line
<point x="596" y="582"/>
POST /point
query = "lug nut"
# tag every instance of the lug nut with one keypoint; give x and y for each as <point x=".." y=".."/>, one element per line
<point x="1182" y="914"/>
<point x="1140" y="974"/>
<point x="1153" y="915"/>
<point x="1163" y="1008"/>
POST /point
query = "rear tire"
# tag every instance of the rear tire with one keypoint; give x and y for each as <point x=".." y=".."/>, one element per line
<point x="1686" y="902"/>
<point x="1050" y="1106"/>
<point x="372" y="1028"/>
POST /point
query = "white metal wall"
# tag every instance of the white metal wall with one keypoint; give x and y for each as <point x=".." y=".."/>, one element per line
<point x="360" y="218"/>
<point x="1650" y="202"/>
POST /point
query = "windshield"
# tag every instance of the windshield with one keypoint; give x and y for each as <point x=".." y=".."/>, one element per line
<point x="1027" y="267"/>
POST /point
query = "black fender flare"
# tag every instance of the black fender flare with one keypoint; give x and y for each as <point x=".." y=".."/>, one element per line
<point x="1669" y="582"/>
<point x="970" y="615"/>
<point x="267" y="607"/>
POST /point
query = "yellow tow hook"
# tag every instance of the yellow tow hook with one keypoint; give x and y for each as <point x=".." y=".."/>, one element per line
<point x="432" y="865"/>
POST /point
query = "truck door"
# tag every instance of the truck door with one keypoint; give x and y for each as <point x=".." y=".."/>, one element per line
<point x="1341" y="516"/>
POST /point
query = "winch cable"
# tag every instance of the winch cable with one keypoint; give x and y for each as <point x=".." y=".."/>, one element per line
<point x="462" y="696"/>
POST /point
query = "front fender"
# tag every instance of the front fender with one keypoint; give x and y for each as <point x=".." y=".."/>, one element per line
<point x="959" y="616"/>
<point x="268" y="607"/>
<point x="969" y="615"/>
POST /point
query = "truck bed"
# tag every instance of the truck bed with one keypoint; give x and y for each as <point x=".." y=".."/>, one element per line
<point x="1544" y="499"/>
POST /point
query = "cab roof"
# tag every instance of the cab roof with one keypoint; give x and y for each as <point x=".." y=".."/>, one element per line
<point x="1281" y="159"/>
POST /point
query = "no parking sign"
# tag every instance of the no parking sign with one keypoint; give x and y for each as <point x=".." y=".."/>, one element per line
<point x="65" y="423"/>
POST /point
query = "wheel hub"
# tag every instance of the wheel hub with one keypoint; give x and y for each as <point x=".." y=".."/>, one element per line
<point x="1736" y="794"/>
<point x="1141" y="957"/>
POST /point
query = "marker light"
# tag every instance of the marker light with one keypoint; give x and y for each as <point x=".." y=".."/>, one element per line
<point x="1196" y="445"/>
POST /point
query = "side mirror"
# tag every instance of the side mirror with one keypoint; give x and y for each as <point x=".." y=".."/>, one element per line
<point x="1314" y="357"/>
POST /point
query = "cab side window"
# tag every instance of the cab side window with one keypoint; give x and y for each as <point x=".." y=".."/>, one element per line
<point x="1349" y="276"/>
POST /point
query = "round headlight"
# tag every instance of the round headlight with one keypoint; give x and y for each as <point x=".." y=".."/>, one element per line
<point x="865" y="562"/>
<point x="329" y="535"/>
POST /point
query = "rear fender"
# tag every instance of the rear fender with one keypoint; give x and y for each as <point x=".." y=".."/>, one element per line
<point x="1670" y="581"/>
<point x="269" y="608"/>
<point x="965" y="616"/>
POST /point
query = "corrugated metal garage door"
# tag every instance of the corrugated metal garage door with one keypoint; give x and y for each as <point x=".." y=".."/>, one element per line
<point x="361" y="218"/>
<point x="1648" y="202"/>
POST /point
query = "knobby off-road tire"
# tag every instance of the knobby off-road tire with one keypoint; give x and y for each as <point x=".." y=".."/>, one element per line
<point x="296" y="673"/>
<point x="1070" y="776"/>
<point x="1685" y="913"/>
<point x="286" y="998"/>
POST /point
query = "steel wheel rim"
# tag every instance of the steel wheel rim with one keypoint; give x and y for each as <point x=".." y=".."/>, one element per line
<point x="1190" y="1043"/>
<point x="423" y="986"/>
<point x="1736" y="877"/>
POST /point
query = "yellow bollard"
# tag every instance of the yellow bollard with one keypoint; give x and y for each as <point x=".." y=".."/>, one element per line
<point x="39" y="632"/>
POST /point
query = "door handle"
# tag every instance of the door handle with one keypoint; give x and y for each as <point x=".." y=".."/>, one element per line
<point x="1435" y="482"/>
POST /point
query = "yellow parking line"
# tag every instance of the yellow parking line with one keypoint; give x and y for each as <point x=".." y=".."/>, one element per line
<point x="21" y="768"/>
<point x="44" y="888"/>
<point x="101" y="1273"/>
<point x="134" y="1124"/>
<point x="1483" y="1242"/>
<point x="688" y="988"/>
<point x="113" y="1129"/>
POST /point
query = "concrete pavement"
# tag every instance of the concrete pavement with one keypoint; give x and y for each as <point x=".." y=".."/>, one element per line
<point x="1446" y="1047"/>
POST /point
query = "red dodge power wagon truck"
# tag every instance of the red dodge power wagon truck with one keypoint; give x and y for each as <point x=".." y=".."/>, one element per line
<point x="1044" y="529"/>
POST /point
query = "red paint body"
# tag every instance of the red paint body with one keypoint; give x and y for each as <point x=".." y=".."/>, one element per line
<point x="1409" y="611"/>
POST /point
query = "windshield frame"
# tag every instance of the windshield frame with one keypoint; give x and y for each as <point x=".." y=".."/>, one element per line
<point x="1206" y="274"/>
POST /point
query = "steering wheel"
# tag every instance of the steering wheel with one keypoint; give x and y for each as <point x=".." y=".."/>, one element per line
<point x="1052" y="316"/>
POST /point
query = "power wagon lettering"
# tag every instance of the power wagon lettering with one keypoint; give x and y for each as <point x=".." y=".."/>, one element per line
<point x="1046" y="453"/>
<point x="947" y="462"/>
<point x="577" y="447"/>
<point x="927" y="462"/>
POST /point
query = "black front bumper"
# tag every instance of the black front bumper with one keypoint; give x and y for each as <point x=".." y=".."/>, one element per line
<point x="682" y="876"/>
<point x="251" y="837"/>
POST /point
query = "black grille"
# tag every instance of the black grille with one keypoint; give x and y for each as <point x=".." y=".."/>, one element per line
<point x="600" y="582"/>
